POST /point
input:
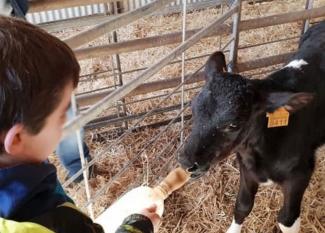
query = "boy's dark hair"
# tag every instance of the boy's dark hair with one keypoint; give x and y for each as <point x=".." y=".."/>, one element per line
<point x="35" y="67"/>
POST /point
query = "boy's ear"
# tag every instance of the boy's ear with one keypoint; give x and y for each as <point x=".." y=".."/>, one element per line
<point x="13" y="143"/>
<point x="292" y="102"/>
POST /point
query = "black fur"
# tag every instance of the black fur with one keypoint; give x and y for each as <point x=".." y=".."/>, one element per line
<point x="229" y="115"/>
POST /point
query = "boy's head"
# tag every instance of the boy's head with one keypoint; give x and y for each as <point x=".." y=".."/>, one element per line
<point x="38" y="72"/>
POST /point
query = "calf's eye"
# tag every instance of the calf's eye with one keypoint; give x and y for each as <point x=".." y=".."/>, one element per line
<point x="231" y="127"/>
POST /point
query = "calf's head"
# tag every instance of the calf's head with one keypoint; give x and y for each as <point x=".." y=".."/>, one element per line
<point x="224" y="112"/>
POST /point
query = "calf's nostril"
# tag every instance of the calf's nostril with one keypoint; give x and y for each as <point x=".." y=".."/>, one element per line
<point x="193" y="168"/>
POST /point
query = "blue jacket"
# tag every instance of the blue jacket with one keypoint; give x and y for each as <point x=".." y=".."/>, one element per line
<point x="33" y="201"/>
<point x="29" y="190"/>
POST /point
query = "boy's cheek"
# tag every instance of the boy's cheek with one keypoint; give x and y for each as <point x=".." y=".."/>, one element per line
<point x="42" y="145"/>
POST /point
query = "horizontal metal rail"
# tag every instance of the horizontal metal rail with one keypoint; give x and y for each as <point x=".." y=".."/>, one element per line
<point x="145" y="99"/>
<point x="107" y="121"/>
<point x="89" y="99"/>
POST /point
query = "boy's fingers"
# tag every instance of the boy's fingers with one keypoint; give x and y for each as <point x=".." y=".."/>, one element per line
<point x="150" y="212"/>
<point x="155" y="218"/>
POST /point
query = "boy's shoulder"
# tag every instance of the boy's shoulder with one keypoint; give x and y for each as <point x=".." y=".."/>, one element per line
<point x="28" y="187"/>
<point x="32" y="198"/>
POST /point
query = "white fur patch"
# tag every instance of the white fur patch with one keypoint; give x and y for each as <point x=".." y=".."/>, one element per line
<point x="293" y="229"/>
<point x="267" y="183"/>
<point x="296" y="64"/>
<point x="234" y="228"/>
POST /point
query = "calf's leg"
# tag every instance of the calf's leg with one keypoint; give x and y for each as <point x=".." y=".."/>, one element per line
<point x="293" y="190"/>
<point x="245" y="200"/>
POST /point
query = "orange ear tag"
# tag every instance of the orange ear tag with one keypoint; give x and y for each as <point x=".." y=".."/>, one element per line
<point x="278" y="118"/>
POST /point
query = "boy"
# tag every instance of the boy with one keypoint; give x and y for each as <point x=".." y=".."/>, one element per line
<point x="38" y="73"/>
<point x="67" y="150"/>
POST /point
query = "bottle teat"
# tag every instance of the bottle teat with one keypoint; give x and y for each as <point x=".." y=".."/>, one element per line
<point x="173" y="181"/>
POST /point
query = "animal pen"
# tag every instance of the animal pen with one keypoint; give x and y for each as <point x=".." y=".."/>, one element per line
<point x="141" y="65"/>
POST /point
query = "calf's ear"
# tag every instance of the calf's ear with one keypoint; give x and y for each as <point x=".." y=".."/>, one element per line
<point x="292" y="102"/>
<point x="215" y="65"/>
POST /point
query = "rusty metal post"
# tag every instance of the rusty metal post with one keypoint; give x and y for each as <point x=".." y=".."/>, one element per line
<point x="309" y="5"/>
<point x="235" y="39"/>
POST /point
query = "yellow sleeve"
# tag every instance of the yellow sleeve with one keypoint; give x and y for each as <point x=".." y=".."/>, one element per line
<point x="9" y="226"/>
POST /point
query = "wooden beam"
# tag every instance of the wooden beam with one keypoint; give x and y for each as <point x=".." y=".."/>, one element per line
<point x="140" y="44"/>
<point x="92" y="20"/>
<point x="273" y="20"/>
<point x="264" y="62"/>
<point x="172" y="38"/>
<point x="115" y="23"/>
<point x="89" y="99"/>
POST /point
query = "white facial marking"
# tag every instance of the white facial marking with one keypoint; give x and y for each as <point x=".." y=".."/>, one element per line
<point x="234" y="228"/>
<point x="296" y="64"/>
<point x="292" y="229"/>
<point x="267" y="183"/>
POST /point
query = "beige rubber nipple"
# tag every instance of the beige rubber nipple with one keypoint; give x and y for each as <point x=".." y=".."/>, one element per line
<point x="173" y="181"/>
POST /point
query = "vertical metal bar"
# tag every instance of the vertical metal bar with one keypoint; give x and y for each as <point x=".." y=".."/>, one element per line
<point x="114" y="74"/>
<point x="184" y="12"/>
<point x="46" y="18"/>
<point x="118" y="10"/>
<point x="92" y="9"/>
<point x="60" y="14"/>
<point x="120" y="78"/>
<point x="34" y="18"/>
<point x="125" y="5"/>
<point x="107" y="9"/>
<point x="82" y="158"/>
<point x="309" y="5"/>
<point x="73" y="13"/>
<point x="115" y="8"/>
<point x="131" y="5"/>
<point x="220" y="37"/>
<point x="235" y="37"/>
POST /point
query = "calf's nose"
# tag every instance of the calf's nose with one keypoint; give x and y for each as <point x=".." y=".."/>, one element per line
<point x="184" y="161"/>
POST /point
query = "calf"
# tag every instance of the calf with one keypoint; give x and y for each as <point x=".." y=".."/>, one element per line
<point x="230" y="116"/>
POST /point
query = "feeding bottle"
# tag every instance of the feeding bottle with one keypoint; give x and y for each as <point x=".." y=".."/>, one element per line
<point x="140" y="198"/>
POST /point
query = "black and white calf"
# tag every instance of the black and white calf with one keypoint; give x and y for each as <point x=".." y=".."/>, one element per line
<point x="229" y="115"/>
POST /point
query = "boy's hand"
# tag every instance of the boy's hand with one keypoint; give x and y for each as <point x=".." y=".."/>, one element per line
<point x="150" y="212"/>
